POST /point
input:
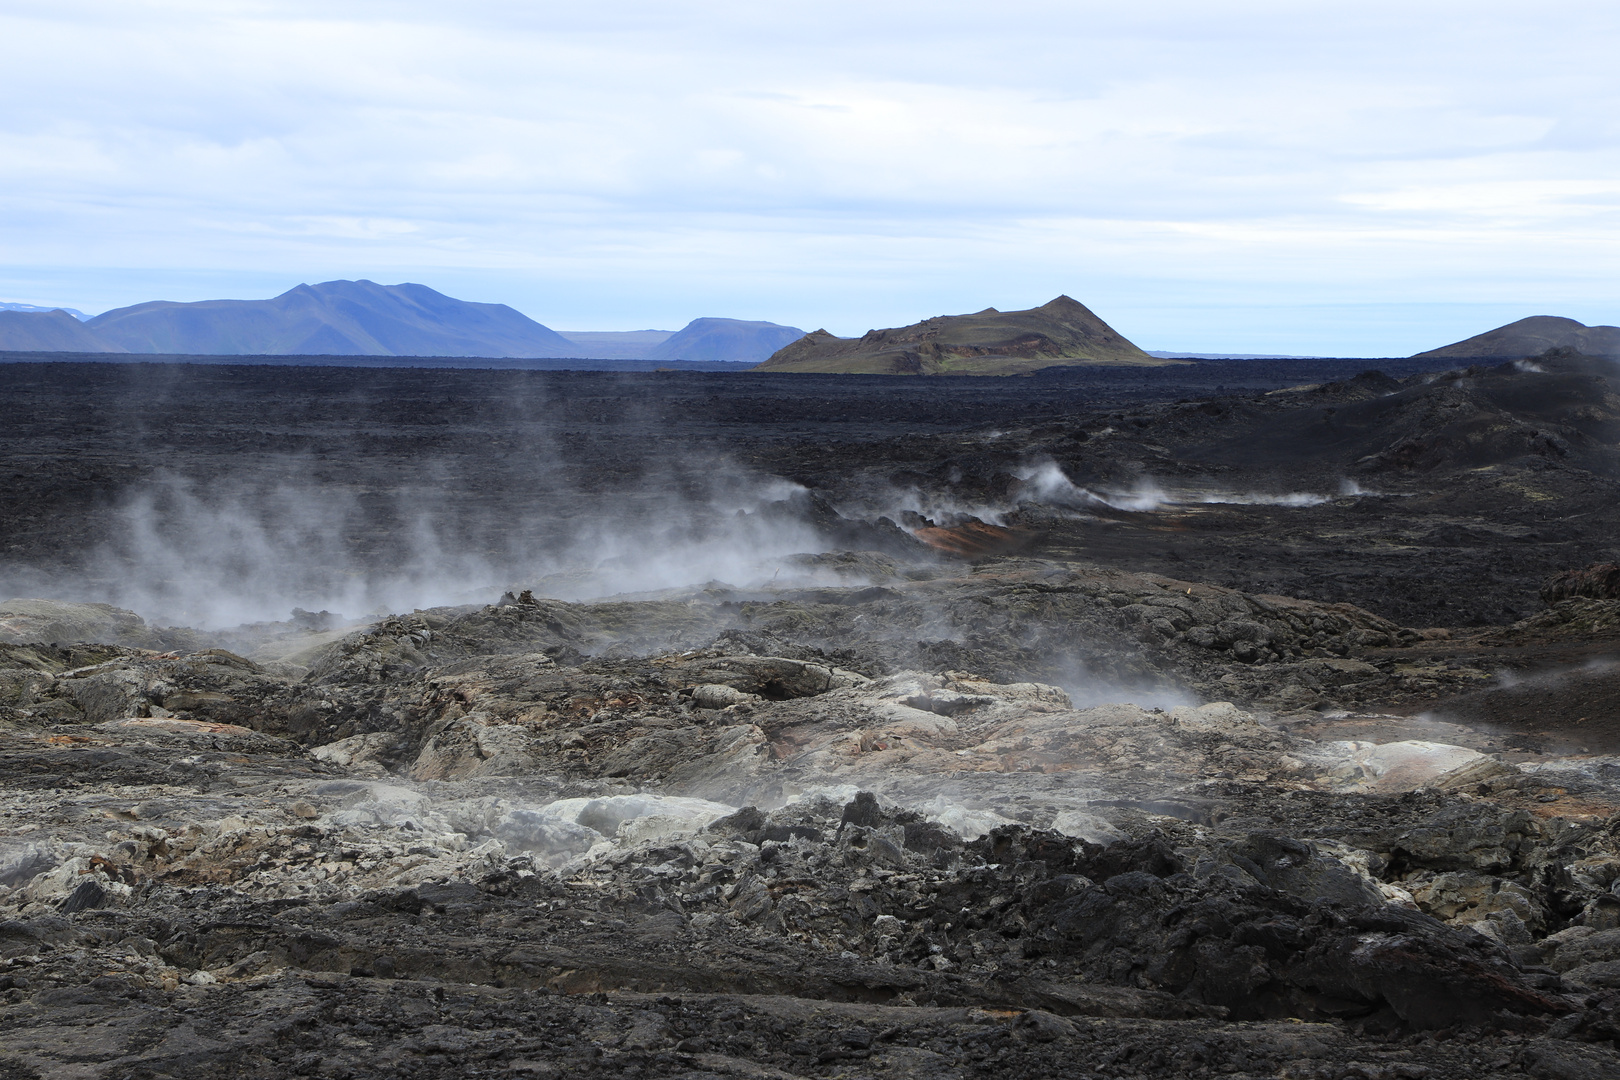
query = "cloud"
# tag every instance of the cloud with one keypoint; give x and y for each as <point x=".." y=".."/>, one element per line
<point x="842" y="164"/>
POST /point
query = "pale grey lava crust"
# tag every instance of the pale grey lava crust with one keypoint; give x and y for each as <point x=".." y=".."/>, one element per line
<point x="1102" y="729"/>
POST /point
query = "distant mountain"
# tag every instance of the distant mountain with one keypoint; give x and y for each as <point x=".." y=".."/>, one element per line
<point x="702" y="341"/>
<point x="1163" y="355"/>
<point x="336" y="318"/>
<point x="1063" y="332"/>
<point x="1532" y="337"/>
<point x="726" y="339"/>
<point x="49" y="331"/>
<point x="75" y="312"/>
<point x="617" y="344"/>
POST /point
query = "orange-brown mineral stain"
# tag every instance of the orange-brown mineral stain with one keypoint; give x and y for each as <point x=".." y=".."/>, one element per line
<point x="973" y="538"/>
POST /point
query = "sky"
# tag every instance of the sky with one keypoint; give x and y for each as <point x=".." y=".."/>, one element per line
<point x="1365" y="179"/>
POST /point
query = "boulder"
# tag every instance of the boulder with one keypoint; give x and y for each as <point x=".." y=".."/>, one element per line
<point x="475" y="745"/>
<point x="608" y="815"/>
<point x="773" y="677"/>
<point x="369" y="751"/>
<point x="1600" y="581"/>
<point x="1300" y="868"/>
<point x="717" y="696"/>
<point x="24" y="621"/>
<point x="1396" y="766"/>
<point x="1502" y="909"/>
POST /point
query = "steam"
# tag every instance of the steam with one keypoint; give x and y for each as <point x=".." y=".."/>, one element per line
<point x="1047" y="483"/>
<point x="184" y="555"/>
<point x="741" y="534"/>
<point x="1508" y="679"/>
<point x="1293" y="498"/>
<point x="1086" y="690"/>
<point x="249" y="549"/>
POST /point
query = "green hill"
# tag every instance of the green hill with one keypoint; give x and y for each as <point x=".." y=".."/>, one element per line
<point x="1063" y="332"/>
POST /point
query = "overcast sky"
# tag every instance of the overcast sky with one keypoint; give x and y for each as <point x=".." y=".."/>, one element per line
<point x="1345" y="179"/>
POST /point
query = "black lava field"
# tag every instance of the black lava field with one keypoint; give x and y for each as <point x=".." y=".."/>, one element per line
<point x="1232" y="719"/>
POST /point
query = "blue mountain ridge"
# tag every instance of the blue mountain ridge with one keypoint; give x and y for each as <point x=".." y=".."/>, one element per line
<point x="338" y="318"/>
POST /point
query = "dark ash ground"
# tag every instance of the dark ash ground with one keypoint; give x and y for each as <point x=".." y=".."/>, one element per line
<point x="1193" y="722"/>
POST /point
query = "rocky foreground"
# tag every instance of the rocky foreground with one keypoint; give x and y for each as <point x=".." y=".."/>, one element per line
<point x="819" y="831"/>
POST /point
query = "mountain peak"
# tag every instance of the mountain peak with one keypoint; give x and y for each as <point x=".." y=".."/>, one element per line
<point x="1533" y="336"/>
<point x="346" y="318"/>
<point x="736" y="340"/>
<point x="53" y="330"/>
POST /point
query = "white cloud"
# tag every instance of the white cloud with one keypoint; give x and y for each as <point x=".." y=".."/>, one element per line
<point x="842" y="164"/>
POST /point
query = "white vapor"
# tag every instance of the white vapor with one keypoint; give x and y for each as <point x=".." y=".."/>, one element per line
<point x="1046" y="482"/>
<point x="242" y="550"/>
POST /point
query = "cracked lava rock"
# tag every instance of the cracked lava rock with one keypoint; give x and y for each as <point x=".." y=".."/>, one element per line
<point x="914" y="809"/>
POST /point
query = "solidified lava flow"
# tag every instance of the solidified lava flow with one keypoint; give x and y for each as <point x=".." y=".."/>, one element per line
<point x="1240" y="720"/>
